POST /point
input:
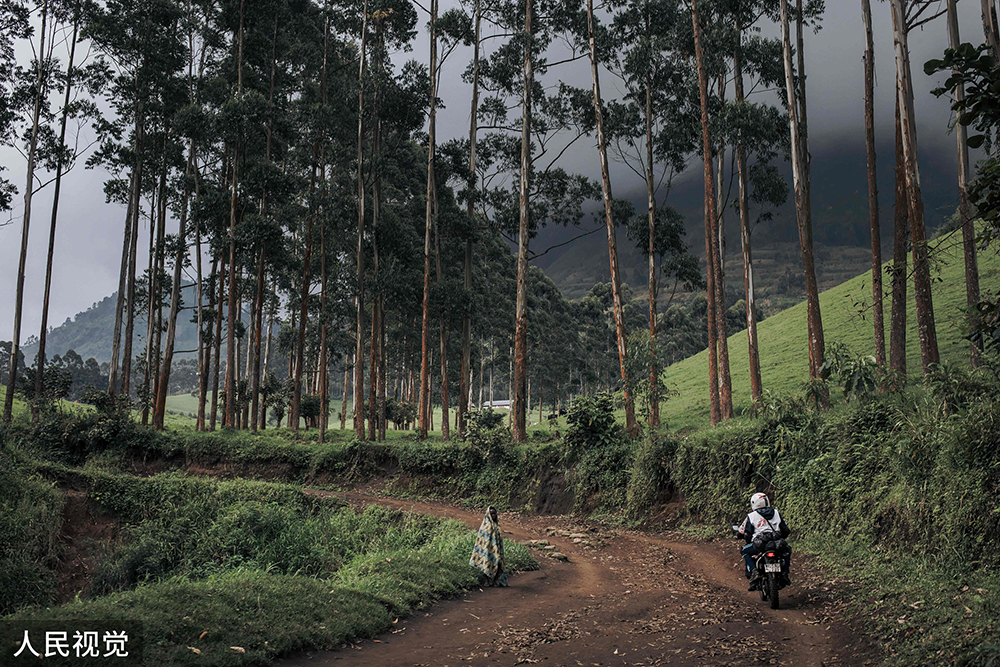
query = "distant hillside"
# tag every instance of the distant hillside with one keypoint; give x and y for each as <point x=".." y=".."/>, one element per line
<point x="783" y="349"/>
<point x="777" y="266"/>
<point x="840" y="223"/>
<point x="90" y="332"/>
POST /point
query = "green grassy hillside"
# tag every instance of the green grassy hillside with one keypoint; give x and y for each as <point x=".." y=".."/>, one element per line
<point x="783" y="352"/>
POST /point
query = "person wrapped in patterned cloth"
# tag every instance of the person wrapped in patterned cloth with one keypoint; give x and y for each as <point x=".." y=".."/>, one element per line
<point x="487" y="554"/>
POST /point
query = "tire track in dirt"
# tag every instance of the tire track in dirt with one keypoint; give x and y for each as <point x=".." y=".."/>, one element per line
<point x="634" y="599"/>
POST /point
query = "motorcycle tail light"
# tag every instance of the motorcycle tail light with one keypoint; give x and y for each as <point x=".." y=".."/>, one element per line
<point x="770" y="555"/>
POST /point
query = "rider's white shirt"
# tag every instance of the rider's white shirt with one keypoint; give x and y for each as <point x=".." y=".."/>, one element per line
<point x="760" y="524"/>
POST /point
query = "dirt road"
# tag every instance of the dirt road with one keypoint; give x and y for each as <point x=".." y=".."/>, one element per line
<point x="621" y="598"/>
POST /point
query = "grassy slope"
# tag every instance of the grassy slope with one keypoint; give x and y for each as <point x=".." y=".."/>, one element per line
<point x="782" y="338"/>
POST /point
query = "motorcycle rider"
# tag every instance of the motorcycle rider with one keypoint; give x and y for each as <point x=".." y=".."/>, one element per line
<point x="762" y="519"/>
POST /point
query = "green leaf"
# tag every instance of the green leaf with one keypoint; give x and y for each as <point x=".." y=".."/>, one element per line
<point x="976" y="140"/>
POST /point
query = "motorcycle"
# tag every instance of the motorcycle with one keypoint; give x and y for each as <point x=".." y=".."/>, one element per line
<point x="771" y="551"/>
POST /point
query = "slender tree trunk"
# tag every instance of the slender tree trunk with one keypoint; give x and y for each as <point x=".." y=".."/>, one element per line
<point x="442" y="326"/>
<point x="255" y="411"/>
<point x="964" y="207"/>
<point x="464" y="385"/>
<point x="873" y="210"/>
<point x="40" y="364"/>
<point x="152" y="288"/>
<point x="175" y="295"/>
<point x="990" y="29"/>
<point x="425" y="326"/>
<point x="347" y="391"/>
<point x="630" y="424"/>
<point x="324" y="382"/>
<point x="900" y="243"/>
<point x="130" y="301"/>
<point x="217" y="343"/>
<point x="206" y="359"/>
<point x="711" y="247"/>
<point x="231" y="370"/>
<point x="520" y="361"/>
<point x="29" y="191"/>
<point x="123" y="273"/>
<point x="756" y="383"/>
<point x="359" y="352"/>
<point x="160" y="270"/>
<point x="654" y="388"/>
<point x="482" y="366"/>
<point x="300" y="355"/>
<point x="719" y="234"/>
<point x="373" y="353"/>
<point x="324" y="362"/>
<point x="918" y="237"/>
<point x="800" y="160"/>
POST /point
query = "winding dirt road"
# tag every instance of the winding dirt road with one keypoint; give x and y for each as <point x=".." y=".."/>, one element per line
<point x="621" y="598"/>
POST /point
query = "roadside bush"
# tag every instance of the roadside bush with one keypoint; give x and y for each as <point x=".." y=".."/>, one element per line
<point x="592" y="424"/>
<point x="30" y="521"/>
<point x="650" y="480"/>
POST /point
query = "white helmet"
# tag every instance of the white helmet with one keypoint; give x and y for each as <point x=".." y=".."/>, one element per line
<point x="759" y="500"/>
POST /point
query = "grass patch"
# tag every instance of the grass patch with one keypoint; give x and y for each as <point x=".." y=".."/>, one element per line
<point x="783" y="345"/>
<point x="30" y="520"/>
<point x="266" y="567"/>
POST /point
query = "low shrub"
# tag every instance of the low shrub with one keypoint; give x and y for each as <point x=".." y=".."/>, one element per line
<point x="31" y="512"/>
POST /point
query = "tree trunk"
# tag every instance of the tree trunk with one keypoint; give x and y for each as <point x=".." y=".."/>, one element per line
<point x="990" y="29"/>
<point x="918" y="237"/>
<point x="123" y="272"/>
<point x="382" y="408"/>
<point x="29" y="191"/>
<point x="520" y="361"/>
<point x="359" y="351"/>
<point x="206" y="353"/>
<point x="711" y="247"/>
<point x="40" y="364"/>
<point x="803" y="209"/>
<point x="347" y="390"/>
<point x="654" y="389"/>
<point x="964" y="207"/>
<point x="130" y="299"/>
<point x="442" y="326"/>
<point x="900" y="242"/>
<point x="873" y="212"/>
<point x="231" y="370"/>
<point x="719" y="234"/>
<point x="425" y="326"/>
<point x="630" y="424"/>
<point x="175" y="295"/>
<point x="464" y="385"/>
<point x="218" y="344"/>
<point x="756" y="383"/>
<point x="152" y="288"/>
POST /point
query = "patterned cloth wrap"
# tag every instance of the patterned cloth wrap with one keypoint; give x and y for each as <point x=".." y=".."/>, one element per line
<point x="487" y="555"/>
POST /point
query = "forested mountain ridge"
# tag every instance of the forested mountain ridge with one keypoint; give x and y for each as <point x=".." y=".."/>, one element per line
<point x="89" y="334"/>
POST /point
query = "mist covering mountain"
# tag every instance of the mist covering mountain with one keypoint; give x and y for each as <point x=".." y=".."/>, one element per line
<point x="840" y="220"/>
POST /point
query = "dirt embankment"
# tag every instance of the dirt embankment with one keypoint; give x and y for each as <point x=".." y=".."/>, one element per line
<point x="86" y="534"/>
<point x="621" y="598"/>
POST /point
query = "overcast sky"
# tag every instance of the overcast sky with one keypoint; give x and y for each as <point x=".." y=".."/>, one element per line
<point x="88" y="245"/>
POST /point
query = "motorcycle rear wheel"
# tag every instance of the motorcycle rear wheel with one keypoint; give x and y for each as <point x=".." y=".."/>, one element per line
<point x="772" y="592"/>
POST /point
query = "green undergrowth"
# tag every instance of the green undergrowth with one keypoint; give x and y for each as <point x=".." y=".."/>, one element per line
<point x="920" y="607"/>
<point x="31" y="514"/>
<point x="900" y="495"/>
<point x="210" y="564"/>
